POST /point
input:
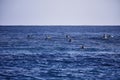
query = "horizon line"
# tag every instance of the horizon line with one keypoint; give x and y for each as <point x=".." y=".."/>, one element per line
<point x="59" y="25"/>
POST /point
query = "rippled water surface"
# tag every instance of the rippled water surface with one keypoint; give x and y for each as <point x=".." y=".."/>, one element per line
<point x="44" y="53"/>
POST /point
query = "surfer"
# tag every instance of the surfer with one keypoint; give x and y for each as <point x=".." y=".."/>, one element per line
<point x="70" y="40"/>
<point x="47" y="37"/>
<point x="29" y="36"/>
<point x="67" y="36"/>
<point x="107" y="36"/>
<point x="110" y="36"/>
<point x="82" y="47"/>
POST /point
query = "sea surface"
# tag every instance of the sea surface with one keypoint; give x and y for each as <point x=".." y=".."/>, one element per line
<point x="55" y="53"/>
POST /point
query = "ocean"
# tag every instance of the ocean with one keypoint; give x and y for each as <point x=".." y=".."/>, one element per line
<point x="59" y="53"/>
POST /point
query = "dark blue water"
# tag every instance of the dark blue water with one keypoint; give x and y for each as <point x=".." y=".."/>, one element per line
<point x="26" y="54"/>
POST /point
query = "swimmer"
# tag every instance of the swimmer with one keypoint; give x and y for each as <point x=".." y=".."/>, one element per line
<point x="67" y="36"/>
<point x="29" y="36"/>
<point x="82" y="47"/>
<point x="110" y="36"/>
<point x="105" y="36"/>
<point x="70" y="40"/>
<point x="47" y="37"/>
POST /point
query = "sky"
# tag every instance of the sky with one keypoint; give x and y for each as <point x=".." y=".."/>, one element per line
<point x="59" y="12"/>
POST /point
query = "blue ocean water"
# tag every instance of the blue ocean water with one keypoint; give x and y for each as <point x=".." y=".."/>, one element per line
<point x="45" y="53"/>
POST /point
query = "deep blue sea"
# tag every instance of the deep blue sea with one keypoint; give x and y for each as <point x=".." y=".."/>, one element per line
<point x="46" y="53"/>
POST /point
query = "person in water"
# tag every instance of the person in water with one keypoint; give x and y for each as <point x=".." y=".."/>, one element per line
<point x="47" y="37"/>
<point x="29" y="36"/>
<point x="82" y="47"/>
<point x="107" y="36"/>
<point x="67" y="36"/>
<point x="70" y="40"/>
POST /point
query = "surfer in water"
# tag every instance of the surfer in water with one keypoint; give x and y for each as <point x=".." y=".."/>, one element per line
<point x="47" y="37"/>
<point x="82" y="47"/>
<point x="107" y="36"/>
<point x="70" y="40"/>
<point x="29" y="36"/>
<point x="67" y="36"/>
